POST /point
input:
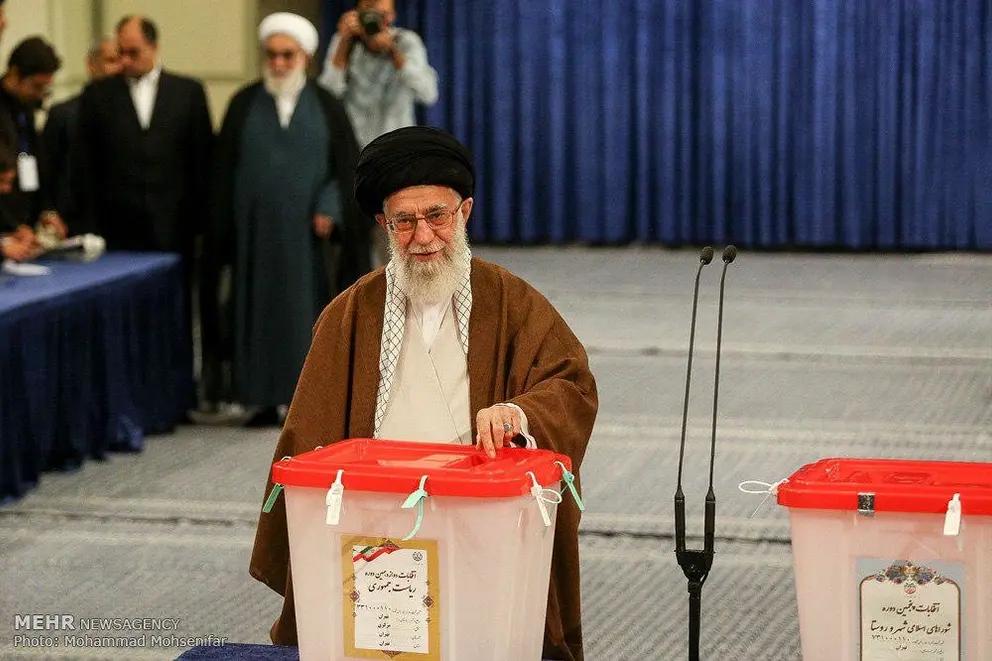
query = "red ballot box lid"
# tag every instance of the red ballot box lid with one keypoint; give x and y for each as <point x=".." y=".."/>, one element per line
<point x="898" y="485"/>
<point x="397" y="466"/>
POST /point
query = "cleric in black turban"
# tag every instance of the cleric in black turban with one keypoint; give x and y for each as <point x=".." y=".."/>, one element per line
<point x="439" y="346"/>
<point x="411" y="156"/>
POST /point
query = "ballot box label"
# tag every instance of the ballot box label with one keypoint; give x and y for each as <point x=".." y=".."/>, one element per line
<point x="910" y="611"/>
<point x="391" y="598"/>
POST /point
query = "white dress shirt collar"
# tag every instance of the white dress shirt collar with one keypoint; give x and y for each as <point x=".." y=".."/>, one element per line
<point x="143" y="93"/>
<point x="150" y="78"/>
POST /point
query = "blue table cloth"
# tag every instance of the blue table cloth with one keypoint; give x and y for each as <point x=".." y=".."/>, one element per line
<point x="92" y="357"/>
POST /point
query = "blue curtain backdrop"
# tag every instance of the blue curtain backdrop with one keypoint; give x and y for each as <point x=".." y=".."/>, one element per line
<point x="832" y="123"/>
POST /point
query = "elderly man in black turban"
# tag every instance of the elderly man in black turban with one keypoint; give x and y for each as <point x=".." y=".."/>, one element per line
<point x="438" y="346"/>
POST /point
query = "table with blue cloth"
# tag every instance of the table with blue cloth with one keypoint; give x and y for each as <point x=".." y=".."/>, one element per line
<point x="93" y="356"/>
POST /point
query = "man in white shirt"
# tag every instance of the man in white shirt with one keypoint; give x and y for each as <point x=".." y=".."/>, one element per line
<point x="141" y="165"/>
<point x="145" y="144"/>
<point x="379" y="71"/>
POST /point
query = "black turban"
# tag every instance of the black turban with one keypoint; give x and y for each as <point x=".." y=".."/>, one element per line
<point x="411" y="156"/>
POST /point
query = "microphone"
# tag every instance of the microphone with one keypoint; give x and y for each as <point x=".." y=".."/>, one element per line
<point x="709" y="520"/>
<point x="705" y="257"/>
<point x="696" y="563"/>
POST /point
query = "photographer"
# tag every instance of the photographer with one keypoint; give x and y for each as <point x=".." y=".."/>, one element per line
<point x="377" y="70"/>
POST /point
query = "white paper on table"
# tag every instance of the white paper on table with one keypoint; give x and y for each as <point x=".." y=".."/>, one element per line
<point x="10" y="267"/>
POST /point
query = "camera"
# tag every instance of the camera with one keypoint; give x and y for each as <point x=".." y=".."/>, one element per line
<point x="371" y="22"/>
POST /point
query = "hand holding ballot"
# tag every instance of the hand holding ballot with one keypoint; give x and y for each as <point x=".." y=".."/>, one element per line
<point x="496" y="426"/>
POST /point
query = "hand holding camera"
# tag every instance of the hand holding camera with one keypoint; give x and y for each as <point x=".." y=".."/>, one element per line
<point x="349" y="26"/>
<point x="372" y="28"/>
<point x="360" y="24"/>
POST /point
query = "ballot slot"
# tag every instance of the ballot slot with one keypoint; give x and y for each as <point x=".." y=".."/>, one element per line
<point x="396" y="467"/>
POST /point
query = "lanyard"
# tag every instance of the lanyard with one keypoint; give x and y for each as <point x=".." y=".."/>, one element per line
<point x="23" y="139"/>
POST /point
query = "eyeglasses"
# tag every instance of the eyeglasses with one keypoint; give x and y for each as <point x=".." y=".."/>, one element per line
<point x="284" y="54"/>
<point x="436" y="219"/>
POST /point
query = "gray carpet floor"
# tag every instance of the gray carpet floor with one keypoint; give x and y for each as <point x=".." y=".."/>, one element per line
<point x="824" y="355"/>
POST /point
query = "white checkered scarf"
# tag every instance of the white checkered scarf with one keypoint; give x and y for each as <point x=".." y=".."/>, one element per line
<point x="394" y="325"/>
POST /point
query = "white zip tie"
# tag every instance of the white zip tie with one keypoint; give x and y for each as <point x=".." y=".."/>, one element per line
<point x="539" y="495"/>
<point x="769" y="489"/>
<point x="952" y="520"/>
<point x="333" y="501"/>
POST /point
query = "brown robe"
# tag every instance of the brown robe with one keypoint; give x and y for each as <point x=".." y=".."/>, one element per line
<point x="520" y="351"/>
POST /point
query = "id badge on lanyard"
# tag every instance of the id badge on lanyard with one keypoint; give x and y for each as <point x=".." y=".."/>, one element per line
<point x="27" y="172"/>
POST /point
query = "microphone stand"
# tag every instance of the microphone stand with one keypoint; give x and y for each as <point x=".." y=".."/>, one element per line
<point x="696" y="563"/>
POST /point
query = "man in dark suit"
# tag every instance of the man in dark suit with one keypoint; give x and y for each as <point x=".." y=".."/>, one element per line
<point x="142" y="157"/>
<point x="23" y="90"/>
<point x="102" y="61"/>
<point x="144" y="150"/>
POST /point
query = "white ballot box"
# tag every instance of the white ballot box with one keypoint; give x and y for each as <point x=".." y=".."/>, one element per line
<point x="406" y="551"/>
<point x="893" y="559"/>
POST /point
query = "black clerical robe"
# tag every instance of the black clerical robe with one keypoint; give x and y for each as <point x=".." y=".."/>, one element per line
<point x="351" y="231"/>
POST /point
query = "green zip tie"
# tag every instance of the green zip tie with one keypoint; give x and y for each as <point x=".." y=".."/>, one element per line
<point x="569" y="478"/>
<point x="271" y="500"/>
<point x="416" y="499"/>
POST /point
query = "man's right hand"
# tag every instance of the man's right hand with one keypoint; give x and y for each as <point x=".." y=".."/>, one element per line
<point x="25" y="234"/>
<point x="348" y="26"/>
<point x="13" y="248"/>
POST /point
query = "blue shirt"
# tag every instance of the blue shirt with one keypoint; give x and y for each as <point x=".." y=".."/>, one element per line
<point x="377" y="96"/>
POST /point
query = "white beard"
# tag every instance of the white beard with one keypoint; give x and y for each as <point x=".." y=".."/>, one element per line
<point x="289" y="84"/>
<point x="436" y="280"/>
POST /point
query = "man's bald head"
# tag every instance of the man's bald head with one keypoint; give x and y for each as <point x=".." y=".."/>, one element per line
<point x="137" y="40"/>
